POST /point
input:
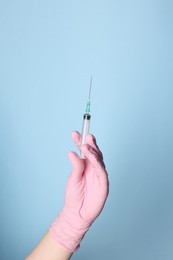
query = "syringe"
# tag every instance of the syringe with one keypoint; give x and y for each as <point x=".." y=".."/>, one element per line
<point x="86" y="118"/>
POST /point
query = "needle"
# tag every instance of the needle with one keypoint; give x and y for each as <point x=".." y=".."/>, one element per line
<point x="90" y="88"/>
<point x="87" y="110"/>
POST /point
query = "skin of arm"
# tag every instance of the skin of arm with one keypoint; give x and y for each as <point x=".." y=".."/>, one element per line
<point x="86" y="193"/>
<point x="48" y="249"/>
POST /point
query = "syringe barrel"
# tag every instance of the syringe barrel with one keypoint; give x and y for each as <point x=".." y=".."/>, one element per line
<point x="85" y="130"/>
<point x="85" y="127"/>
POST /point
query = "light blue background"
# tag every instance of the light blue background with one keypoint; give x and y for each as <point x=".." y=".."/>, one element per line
<point x="48" y="50"/>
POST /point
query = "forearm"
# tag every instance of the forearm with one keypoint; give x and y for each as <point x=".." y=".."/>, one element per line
<point x="48" y="249"/>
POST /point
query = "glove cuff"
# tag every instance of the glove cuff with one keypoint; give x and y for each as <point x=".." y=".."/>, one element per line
<point x="68" y="230"/>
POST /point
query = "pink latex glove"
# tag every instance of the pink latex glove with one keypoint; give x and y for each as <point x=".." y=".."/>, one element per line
<point x="86" y="193"/>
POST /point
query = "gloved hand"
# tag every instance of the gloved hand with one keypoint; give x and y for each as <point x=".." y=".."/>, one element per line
<point x="86" y="193"/>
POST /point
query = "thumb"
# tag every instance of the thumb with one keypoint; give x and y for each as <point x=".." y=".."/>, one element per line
<point x="77" y="165"/>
